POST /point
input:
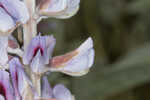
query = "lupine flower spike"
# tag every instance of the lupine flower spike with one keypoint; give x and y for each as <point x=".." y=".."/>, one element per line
<point x="23" y="67"/>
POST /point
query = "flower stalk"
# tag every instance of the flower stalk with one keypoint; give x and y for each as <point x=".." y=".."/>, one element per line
<point x="30" y="31"/>
<point x="30" y="28"/>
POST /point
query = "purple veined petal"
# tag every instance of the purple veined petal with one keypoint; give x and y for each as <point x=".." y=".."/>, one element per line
<point x="6" y="22"/>
<point x="3" y="51"/>
<point x="16" y="9"/>
<point x="31" y="50"/>
<point x="52" y="7"/>
<point x="6" y="89"/>
<point x="46" y="88"/>
<point x="14" y="66"/>
<point x="39" y="52"/>
<point x="60" y="92"/>
<point x="38" y="43"/>
<point x="77" y="62"/>
<point x="19" y="78"/>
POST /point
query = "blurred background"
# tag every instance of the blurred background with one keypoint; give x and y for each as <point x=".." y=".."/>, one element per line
<point x="121" y="33"/>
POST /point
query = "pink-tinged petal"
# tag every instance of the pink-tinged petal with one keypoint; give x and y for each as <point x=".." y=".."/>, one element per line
<point x="75" y="63"/>
<point x="46" y="88"/>
<point x="3" y="50"/>
<point x="52" y="7"/>
<point x="6" y="22"/>
<point x="6" y="89"/>
<point x="60" y="92"/>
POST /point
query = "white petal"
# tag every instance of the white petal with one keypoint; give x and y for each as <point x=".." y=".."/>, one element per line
<point x="3" y="50"/>
<point x="91" y="56"/>
<point x="50" y="44"/>
<point x="6" y="22"/>
<point x="16" y="9"/>
<point x="23" y="12"/>
<point x="61" y="93"/>
<point x="84" y="60"/>
<point x="88" y="44"/>
<point x="77" y="64"/>
<point x="1" y="97"/>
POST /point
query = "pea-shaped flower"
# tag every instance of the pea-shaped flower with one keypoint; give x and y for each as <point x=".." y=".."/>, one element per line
<point x="39" y="52"/>
<point x="76" y="63"/>
<point x="12" y="13"/>
<point x="20" y="81"/>
<point x="58" y="8"/>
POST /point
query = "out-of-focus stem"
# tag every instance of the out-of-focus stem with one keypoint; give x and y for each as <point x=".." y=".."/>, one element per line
<point x="20" y="34"/>
<point x="30" y="28"/>
<point x="30" y="31"/>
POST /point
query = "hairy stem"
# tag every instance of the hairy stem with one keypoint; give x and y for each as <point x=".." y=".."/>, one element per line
<point x="30" y="28"/>
<point x="30" y="31"/>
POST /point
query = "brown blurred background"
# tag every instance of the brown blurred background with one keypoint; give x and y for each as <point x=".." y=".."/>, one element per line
<point x="121" y="33"/>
